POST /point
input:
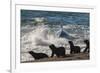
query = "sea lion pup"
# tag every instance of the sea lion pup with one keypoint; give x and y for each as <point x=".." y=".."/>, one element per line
<point x="87" y="49"/>
<point x="74" y="49"/>
<point x="58" y="51"/>
<point x="38" y="55"/>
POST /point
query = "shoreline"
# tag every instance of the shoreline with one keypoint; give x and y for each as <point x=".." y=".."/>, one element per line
<point x="69" y="57"/>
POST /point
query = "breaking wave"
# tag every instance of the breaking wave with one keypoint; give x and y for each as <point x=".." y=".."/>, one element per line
<point x="38" y="38"/>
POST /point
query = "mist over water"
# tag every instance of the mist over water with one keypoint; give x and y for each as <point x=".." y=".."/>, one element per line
<point x="40" y="29"/>
<point x="38" y="38"/>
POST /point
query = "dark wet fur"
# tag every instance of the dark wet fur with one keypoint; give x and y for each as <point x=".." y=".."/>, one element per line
<point x="87" y="49"/>
<point x="58" y="51"/>
<point x="38" y="55"/>
<point x="74" y="49"/>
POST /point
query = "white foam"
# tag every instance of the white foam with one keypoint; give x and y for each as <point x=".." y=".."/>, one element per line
<point x="40" y="37"/>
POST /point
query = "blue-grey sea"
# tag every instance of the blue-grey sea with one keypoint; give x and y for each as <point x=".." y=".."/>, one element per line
<point x="39" y="29"/>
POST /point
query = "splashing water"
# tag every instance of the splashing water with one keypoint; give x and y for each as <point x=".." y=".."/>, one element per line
<point x="38" y="38"/>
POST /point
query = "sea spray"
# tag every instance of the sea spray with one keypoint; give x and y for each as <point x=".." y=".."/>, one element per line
<point x="38" y="38"/>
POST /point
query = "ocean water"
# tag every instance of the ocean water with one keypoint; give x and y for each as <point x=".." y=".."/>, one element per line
<point x="39" y="29"/>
